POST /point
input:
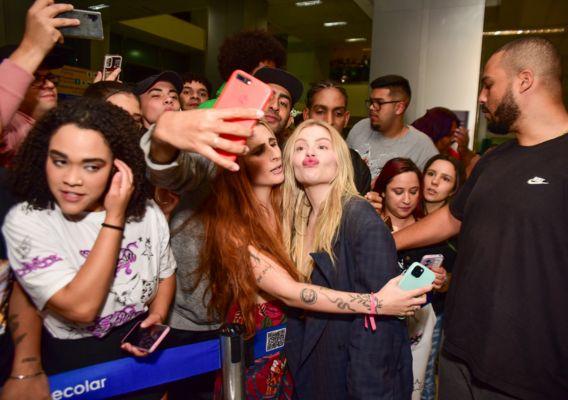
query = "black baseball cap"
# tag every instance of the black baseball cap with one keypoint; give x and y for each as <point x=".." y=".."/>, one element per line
<point x="282" y="78"/>
<point x="168" y="76"/>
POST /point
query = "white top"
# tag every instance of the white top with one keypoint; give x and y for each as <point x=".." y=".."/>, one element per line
<point x="46" y="251"/>
<point x="377" y="149"/>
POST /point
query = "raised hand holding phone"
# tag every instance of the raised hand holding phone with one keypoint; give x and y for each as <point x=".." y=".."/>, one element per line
<point x="198" y="131"/>
<point x="244" y="91"/>
<point x="41" y="33"/>
<point x="90" y="27"/>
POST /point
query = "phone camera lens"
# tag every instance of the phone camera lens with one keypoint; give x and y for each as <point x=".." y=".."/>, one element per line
<point x="417" y="272"/>
<point x="243" y="79"/>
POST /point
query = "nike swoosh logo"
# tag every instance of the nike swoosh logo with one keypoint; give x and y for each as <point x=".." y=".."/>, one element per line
<point x="537" y="180"/>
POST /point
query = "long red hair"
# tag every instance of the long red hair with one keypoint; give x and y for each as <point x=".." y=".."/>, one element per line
<point x="233" y="219"/>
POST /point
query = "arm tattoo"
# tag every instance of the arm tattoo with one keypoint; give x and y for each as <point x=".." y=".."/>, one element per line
<point x="30" y="359"/>
<point x="255" y="257"/>
<point x="267" y="268"/>
<point x="308" y="296"/>
<point x="361" y="298"/>
<point x="341" y="303"/>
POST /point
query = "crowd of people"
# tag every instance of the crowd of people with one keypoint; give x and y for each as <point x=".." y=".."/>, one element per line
<point x="118" y="209"/>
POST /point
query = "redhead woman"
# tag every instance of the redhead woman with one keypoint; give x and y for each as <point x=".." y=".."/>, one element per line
<point x="337" y="241"/>
<point x="244" y="273"/>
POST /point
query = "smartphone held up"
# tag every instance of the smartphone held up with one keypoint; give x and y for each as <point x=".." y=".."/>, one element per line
<point x="244" y="91"/>
<point x="111" y="63"/>
<point x="90" y="27"/>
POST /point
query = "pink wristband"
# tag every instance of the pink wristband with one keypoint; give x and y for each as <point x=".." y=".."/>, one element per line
<point x="370" y="318"/>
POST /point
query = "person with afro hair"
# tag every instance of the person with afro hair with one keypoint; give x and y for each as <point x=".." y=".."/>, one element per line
<point x="249" y="51"/>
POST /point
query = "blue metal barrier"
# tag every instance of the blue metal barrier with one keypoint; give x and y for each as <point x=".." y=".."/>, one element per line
<point x="130" y="374"/>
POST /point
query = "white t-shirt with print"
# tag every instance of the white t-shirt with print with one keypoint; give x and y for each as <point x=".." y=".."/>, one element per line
<point x="46" y="250"/>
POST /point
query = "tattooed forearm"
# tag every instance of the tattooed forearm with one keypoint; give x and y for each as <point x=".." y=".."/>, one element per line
<point x="341" y="303"/>
<point x="267" y="268"/>
<point x="14" y="325"/>
<point x="308" y="296"/>
<point x="255" y="258"/>
<point x="30" y="359"/>
<point x="363" y="299"/>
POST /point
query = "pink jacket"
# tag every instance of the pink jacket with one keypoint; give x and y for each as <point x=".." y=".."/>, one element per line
<point x="14" y="83"/>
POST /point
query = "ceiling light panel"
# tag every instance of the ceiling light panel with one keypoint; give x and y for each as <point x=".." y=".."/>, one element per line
<point x="335" y="23"/>
<point x="356" y="39"/>
<point x="98" y="7"/>
<point x="308" y="3"/>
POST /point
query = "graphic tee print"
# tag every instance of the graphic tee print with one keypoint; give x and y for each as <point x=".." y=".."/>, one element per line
<point x="46" y="251"/>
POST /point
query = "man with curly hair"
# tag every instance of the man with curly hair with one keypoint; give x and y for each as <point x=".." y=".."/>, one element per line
<point x="249" y="51"/>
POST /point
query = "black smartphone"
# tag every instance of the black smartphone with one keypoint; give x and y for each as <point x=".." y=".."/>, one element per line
<point x="91" y="26"/>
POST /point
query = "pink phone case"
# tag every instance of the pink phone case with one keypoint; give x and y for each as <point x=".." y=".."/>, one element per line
<point x="242" y="90"/>
<point x="156" y="342"/>
<point x="432" y="260"/>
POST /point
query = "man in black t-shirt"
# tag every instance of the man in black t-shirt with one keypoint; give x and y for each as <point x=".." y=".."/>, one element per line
<point x="506" y="326"/>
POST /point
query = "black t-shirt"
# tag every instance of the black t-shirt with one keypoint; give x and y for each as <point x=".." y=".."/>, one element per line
<point x="506" y="312"/>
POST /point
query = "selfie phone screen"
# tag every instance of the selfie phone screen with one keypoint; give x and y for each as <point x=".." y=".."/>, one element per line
<point x="146" y="339"/>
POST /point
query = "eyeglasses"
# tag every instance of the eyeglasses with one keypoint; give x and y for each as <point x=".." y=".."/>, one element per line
<point x="377" y="104"/>
<point x="40" y="80"/>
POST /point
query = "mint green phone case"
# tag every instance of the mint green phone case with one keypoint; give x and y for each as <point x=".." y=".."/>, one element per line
<point x="410" y="281"/>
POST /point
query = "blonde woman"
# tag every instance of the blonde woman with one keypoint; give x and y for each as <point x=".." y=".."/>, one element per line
<point x="337" y="240"/>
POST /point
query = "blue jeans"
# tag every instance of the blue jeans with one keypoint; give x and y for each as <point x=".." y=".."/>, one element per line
<point x="429" y="391"/>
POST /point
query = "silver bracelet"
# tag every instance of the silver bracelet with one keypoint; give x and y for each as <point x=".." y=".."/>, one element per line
<point x="22" y="377"/>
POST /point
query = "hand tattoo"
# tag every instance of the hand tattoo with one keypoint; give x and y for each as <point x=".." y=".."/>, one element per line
<point x="308" y="296"/>
<point x="378" y="306"/>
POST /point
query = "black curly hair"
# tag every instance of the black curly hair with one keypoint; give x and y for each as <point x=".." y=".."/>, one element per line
<point x="195" y="77"/>
<point x="246" y="49"/>
<point x="28" y="180"/>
